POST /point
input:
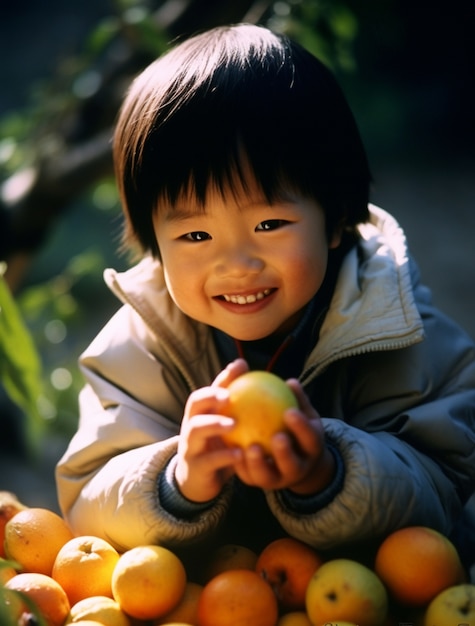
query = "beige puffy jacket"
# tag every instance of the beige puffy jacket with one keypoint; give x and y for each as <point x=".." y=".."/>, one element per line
<point x="396" y="378"/>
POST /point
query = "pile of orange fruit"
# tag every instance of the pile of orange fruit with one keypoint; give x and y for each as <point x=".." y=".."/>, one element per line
<point x="48" y="577"/>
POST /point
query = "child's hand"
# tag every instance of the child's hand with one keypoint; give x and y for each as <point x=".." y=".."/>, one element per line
<point x="204" y="462"/>
<point x="300" y="461"/>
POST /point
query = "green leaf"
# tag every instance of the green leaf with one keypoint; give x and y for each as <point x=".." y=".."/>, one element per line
<point x="20" y="366"/>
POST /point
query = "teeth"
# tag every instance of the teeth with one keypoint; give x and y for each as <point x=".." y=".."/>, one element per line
<point x="247" y="299"/>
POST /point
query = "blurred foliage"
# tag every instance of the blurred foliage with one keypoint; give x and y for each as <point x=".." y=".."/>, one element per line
<point x="61" y="310"/>
<point x="328" y="29"/>
<point x="20" y="369"/>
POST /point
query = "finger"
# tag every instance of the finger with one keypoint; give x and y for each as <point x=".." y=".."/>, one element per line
<point x="218" y="459"/>
<point x="205" y="400"/>
<point x="307" y="434"/>
<point x="289" y="462"/>
<point x="230" y="372"/>
<point x="302" y="398"/>
<point x="205" y="426"/>
<point x="258" y="468"/>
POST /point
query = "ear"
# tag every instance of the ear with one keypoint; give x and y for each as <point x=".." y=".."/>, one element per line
<point x="335" y="238"/>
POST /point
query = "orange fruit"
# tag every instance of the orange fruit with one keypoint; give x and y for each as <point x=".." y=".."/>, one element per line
<point x="7" y="571"/>
<point x="229" y="556"/>
<point x="186" y="610"/>
<point x="257" y="402"/>
<point x="9" y="506"/>
<point x="33" y="538"/>
<point x="237" y="598"/>
<point x="45" y="595"/>
<point x="288" y="564"/>
<point x="83" y="567"/>
<point x="100" y="609"/>
<point x="417" y="563"/>
<point x="148" y="581"/>
<point x="295" y="618"/>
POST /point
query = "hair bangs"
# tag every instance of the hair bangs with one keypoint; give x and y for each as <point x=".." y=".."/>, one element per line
<point x="233" y="105"/>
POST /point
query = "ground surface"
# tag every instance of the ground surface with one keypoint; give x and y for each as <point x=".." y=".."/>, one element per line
<point x="434" y="200"/>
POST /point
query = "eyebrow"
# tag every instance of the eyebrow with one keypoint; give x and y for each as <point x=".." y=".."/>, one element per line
<point x="180" y="213"/>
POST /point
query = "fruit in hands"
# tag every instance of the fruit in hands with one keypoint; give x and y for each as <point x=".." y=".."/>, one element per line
<point x="257" y="402"/>
<point x="83" y="567"/>
<point x="455" y="605"/>
<point x="148" y="581"/>
<point x="33" y="538"/>
<point x="345" y="590"/>
<point x="288" y="565"/>
<point x="417" y="563"/>
<point x="237" y="598"/>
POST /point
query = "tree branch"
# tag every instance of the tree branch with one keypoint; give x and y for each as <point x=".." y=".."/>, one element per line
<point x="33" y="199"/>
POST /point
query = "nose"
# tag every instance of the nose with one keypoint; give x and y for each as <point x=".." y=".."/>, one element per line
<point x="238" y="259"/>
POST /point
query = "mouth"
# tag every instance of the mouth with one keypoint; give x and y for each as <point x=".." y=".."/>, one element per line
<point x="250" y="298"/>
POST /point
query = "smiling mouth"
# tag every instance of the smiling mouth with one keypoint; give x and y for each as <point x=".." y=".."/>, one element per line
<point x="247" y="299"/>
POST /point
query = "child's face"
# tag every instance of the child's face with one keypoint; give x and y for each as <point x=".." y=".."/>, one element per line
<point x="241" y="265"/>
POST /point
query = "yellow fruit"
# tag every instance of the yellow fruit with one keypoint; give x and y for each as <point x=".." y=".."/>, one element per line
<point x="345" y="590"/>
<point x="33" y="538"/>
<point x="237" y="597"/>
<point x="186" y="610"/>
<point x="455" y="605"/>
<point x="257" y="402"/>
<point x="148" y="581"/>
<point x="89" y="622"/>
<point x="100" y="609"/>
<point x="229" y="556"/>
<point x="47" y="596"/>
<point x="83" y="567"/>
<point x="295" y="618"/>
<point x="416" y="563"/>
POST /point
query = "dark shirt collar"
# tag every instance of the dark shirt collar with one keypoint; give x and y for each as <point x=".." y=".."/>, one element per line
<point x="286" y="355"/>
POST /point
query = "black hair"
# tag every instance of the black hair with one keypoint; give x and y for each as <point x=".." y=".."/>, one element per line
<point x="228" y="101"/>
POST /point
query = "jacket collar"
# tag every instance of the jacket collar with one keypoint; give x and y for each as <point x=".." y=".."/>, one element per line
<point x="373" y="306"/>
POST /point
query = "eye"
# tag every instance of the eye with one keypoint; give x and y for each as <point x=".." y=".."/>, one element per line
<point x="197" y="235"/>
<point x="271" y="225"/>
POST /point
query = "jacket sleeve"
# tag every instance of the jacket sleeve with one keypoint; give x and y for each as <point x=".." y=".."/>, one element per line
<point x="107" y="480"/>
<point x="405" y="427"/>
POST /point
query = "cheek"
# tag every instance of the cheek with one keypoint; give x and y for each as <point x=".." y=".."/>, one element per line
<point x="310" y="257"/>
<point x="178" y="282"/>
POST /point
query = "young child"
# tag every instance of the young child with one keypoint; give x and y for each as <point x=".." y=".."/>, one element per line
<point x="245" y="188"/>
